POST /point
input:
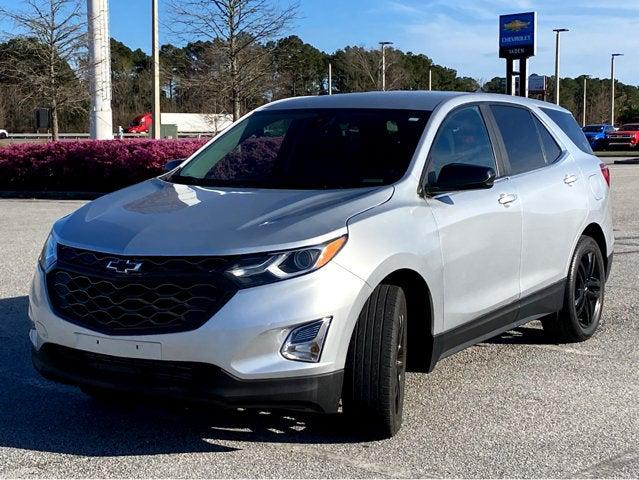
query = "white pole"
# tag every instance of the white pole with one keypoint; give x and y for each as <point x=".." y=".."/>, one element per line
<point x="383" y="67"/>
<point x="101" y="116"/>
<point x="612" y="87"/>
<point x="330" y="79"/>
<point x="157" y="120"/>
<point x="557" y="31"/>
<point x="430" y="77"/>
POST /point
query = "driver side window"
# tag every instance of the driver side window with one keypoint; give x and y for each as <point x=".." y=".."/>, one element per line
<point x="462" y="138"/>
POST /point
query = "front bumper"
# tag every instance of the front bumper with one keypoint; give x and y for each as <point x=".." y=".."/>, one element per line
<point x="187" y="380"/>
<point x="236" y="353"/>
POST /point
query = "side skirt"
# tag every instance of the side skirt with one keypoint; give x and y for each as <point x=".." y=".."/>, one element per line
<point x="548" y="300"/>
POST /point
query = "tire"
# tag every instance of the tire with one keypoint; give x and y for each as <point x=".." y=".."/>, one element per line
<point x="374" y="377"/>
<point x="583" y="297"/>
<point x="3" y="136"/>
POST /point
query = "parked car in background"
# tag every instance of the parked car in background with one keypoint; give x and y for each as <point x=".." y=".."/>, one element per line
<point x="3" y="134"/>
<point x="308" y="256"/>
<point x="627" y="136"/>
<point x="596" y="134"/>
<point x="187" y="123"/>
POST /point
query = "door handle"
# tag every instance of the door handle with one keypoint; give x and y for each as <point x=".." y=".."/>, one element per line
<point x="570" y="179"/>
<point x="506" y="199"/>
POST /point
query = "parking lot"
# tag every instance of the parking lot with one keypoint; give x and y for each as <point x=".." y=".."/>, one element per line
<point x="514" y="406"/>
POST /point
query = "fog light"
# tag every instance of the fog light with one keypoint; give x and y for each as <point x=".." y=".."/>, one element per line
<point x="305" y="343"/>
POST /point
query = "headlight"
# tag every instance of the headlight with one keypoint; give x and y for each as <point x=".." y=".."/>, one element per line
<point x="272" y="267"/>
<point x="49" y="253"/>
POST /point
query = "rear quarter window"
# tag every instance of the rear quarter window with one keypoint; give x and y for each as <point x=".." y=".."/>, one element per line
<point x="569" y="125"/>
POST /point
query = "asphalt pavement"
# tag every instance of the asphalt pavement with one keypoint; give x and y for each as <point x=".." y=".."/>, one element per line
<point x="514" y="406"/>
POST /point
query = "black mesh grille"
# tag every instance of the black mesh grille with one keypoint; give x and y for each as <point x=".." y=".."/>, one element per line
<point x="112" y="294"/>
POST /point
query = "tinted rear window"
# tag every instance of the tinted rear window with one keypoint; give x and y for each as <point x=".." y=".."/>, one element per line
<point x="568" y="124"/>
<point x="521" y="138"/>
<point x="551" y="149"/>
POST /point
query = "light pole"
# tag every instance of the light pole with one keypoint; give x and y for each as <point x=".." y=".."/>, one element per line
<point x="583" y="112"/>
<point x="157" y="121"/>
<point x="383" y="45"/>
<point x="101" y="116"/>
<point x="557" y="31"/>
<point x="430" y="77"/>
<point x="330" y="78"/>
<point x="612" y="87"/>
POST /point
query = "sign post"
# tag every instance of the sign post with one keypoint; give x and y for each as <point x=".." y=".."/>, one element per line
<point x="517" y="42"/>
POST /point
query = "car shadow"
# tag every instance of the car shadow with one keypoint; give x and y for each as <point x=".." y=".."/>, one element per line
<point x="39" y="415"/>
<point x="531" y="334"/>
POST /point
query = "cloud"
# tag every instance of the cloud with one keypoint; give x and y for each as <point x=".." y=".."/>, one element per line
<point x="463" y="34"/>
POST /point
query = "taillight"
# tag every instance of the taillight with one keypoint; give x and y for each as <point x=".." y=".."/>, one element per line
<point x="605" y="172"/>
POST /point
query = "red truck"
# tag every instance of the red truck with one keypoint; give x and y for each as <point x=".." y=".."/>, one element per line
<point x="627" y="136"/>
<point x="140" y="124"/>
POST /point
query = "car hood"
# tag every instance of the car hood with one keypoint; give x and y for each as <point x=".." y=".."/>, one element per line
<point x="160" y="218"/>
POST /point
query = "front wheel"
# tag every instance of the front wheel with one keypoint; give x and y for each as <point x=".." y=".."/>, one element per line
<point x="374" y="379"/>
<point x="583" y="297"/>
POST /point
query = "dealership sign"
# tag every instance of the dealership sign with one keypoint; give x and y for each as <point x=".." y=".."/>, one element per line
<point x="517" y="35"/>
<point x="537" y="83"/>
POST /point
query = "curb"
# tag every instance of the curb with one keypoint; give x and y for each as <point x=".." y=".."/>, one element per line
<point x="627" y="161"/>
<point x="45" y="195"/>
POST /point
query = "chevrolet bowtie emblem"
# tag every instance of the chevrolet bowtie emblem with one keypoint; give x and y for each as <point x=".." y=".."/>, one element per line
<point x="124" y="266"/>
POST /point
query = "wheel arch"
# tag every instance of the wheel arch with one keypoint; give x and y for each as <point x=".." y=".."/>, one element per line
<point x="419" y="304"/>
<point x="594" y="231"/>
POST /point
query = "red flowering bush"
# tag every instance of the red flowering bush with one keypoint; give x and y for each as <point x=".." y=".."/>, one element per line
<point x="87" y="166"/>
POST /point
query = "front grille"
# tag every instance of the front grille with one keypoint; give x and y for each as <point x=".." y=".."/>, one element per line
<point x="162" y="295"/>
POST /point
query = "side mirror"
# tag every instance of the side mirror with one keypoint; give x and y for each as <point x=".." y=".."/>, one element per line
<point x="461" y="176"/>
<point x="172" y="164"/>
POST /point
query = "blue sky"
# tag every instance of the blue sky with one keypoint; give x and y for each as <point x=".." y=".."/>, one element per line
<point x="461" y="34"/>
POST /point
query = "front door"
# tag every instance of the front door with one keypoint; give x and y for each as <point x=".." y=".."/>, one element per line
<point x="480" y="230"/>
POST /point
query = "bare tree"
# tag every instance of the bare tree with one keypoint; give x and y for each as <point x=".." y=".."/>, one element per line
<point x="52" y="37"/>
<point x="240" y="27"/>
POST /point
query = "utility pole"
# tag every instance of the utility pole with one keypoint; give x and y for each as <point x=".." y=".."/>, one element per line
<point x="583" y="113"/>
<point x="330" y="78"/>
<point x="557" y="31"/>
<point x="157" y="120"/>
<point x="383" y="45"/>
<point x="612" y="87"/>
<point x="430" y="77"/>
<point x="101" y="116"/>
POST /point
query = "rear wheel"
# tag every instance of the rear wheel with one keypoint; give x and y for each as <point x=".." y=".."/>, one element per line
<point x="374" y="380"/>
<point x="583" y="297"/>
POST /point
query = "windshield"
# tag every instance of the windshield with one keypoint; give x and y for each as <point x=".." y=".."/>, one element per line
<point x="630" y="127"/>
<point x="310" y="149"/>
<point x="593" y="128"/>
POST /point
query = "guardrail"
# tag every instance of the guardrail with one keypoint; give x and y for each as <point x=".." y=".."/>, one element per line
<point x="79" y="136"/>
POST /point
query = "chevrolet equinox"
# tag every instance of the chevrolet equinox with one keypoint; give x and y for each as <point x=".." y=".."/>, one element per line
<point x="310" y="254"/>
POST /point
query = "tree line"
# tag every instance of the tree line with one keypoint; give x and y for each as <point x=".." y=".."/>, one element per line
<point x="231" y="57"/>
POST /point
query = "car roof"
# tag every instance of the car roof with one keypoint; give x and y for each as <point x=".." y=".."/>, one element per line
<point x="402" y="100"/>
<point x="632" y="124"/>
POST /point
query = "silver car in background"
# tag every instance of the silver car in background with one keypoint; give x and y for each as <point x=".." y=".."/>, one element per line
<point x="319" y="247"/>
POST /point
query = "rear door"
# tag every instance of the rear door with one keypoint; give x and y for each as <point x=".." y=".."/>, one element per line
<point x="551" y="193"/>
<point x="480" y="230"/>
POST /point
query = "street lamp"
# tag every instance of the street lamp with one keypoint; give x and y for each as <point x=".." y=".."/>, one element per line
<point x="612" y="87"/>
<point x="383" y="45"/>
<point x="557" y="31"/>
<point x="583" y="113"/>
<point x="157" y="123"/>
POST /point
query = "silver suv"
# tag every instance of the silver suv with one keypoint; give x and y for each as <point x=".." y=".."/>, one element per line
<point x="319" y="247"/>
